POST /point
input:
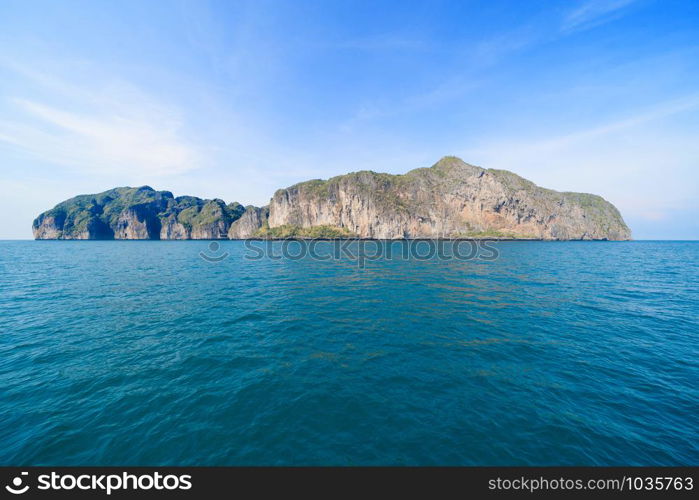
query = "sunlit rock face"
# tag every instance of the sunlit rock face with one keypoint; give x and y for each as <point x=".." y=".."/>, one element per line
<point x="451" y="199"/>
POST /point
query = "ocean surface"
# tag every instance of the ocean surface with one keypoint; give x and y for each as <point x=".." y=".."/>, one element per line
<point x="145" y="353"/>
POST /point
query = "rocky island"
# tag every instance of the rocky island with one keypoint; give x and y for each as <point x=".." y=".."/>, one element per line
<point x="450" y="199"/>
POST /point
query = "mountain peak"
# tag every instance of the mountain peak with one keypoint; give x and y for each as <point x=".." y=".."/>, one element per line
<point x="450" y="161"/>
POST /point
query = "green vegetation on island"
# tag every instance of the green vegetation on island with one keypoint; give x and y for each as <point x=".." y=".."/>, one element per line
<point x="450" y="199"/>
<point x="292" y="232"/>
<point x="136" y="213"/>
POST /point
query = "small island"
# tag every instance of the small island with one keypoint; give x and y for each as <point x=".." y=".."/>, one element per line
<point x="451" y="200"/>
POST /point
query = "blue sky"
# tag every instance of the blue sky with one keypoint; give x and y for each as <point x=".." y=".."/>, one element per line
<point x="236" y="99"/>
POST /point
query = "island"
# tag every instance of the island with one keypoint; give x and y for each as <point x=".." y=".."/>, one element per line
<point x="451" y="200"/>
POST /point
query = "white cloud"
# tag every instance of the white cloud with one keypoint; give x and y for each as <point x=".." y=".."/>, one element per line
<point x="642" y="163"/>
<point x="110" y="127"/>
<point x="593" y="13"/>
<point x="555" y="143"/>
<point x="100" y="141"/>
<point x="382" y="42"/>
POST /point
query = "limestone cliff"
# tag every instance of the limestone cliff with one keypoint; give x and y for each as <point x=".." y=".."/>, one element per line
<point x="137" y="214"/>
<point x="249" y="223"/>
<point x="451" y="199"/>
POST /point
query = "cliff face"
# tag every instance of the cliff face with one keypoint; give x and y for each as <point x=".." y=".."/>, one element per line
<point x="249" y="223"/>
<point x="451" y="199"/>
<point x="137" y="214"/>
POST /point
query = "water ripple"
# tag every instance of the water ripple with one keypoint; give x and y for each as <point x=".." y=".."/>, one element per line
<point x="556" y="353"/>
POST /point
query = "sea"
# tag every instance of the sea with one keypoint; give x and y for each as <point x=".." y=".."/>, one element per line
<point x="262" y="353"/>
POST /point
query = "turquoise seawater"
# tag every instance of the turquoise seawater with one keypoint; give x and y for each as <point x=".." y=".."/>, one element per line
<point x="142" y="353"/>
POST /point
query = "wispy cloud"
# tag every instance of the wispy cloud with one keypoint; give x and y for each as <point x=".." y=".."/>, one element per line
<point x="593" y="13"/>
<point x="449" y="90"/>
<point x="493" y="49"/>
<point x="639" y="162"/>
<point x="382" y="42"/>
<point x="656" y="112"/>
<point x="112" y="129"/>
